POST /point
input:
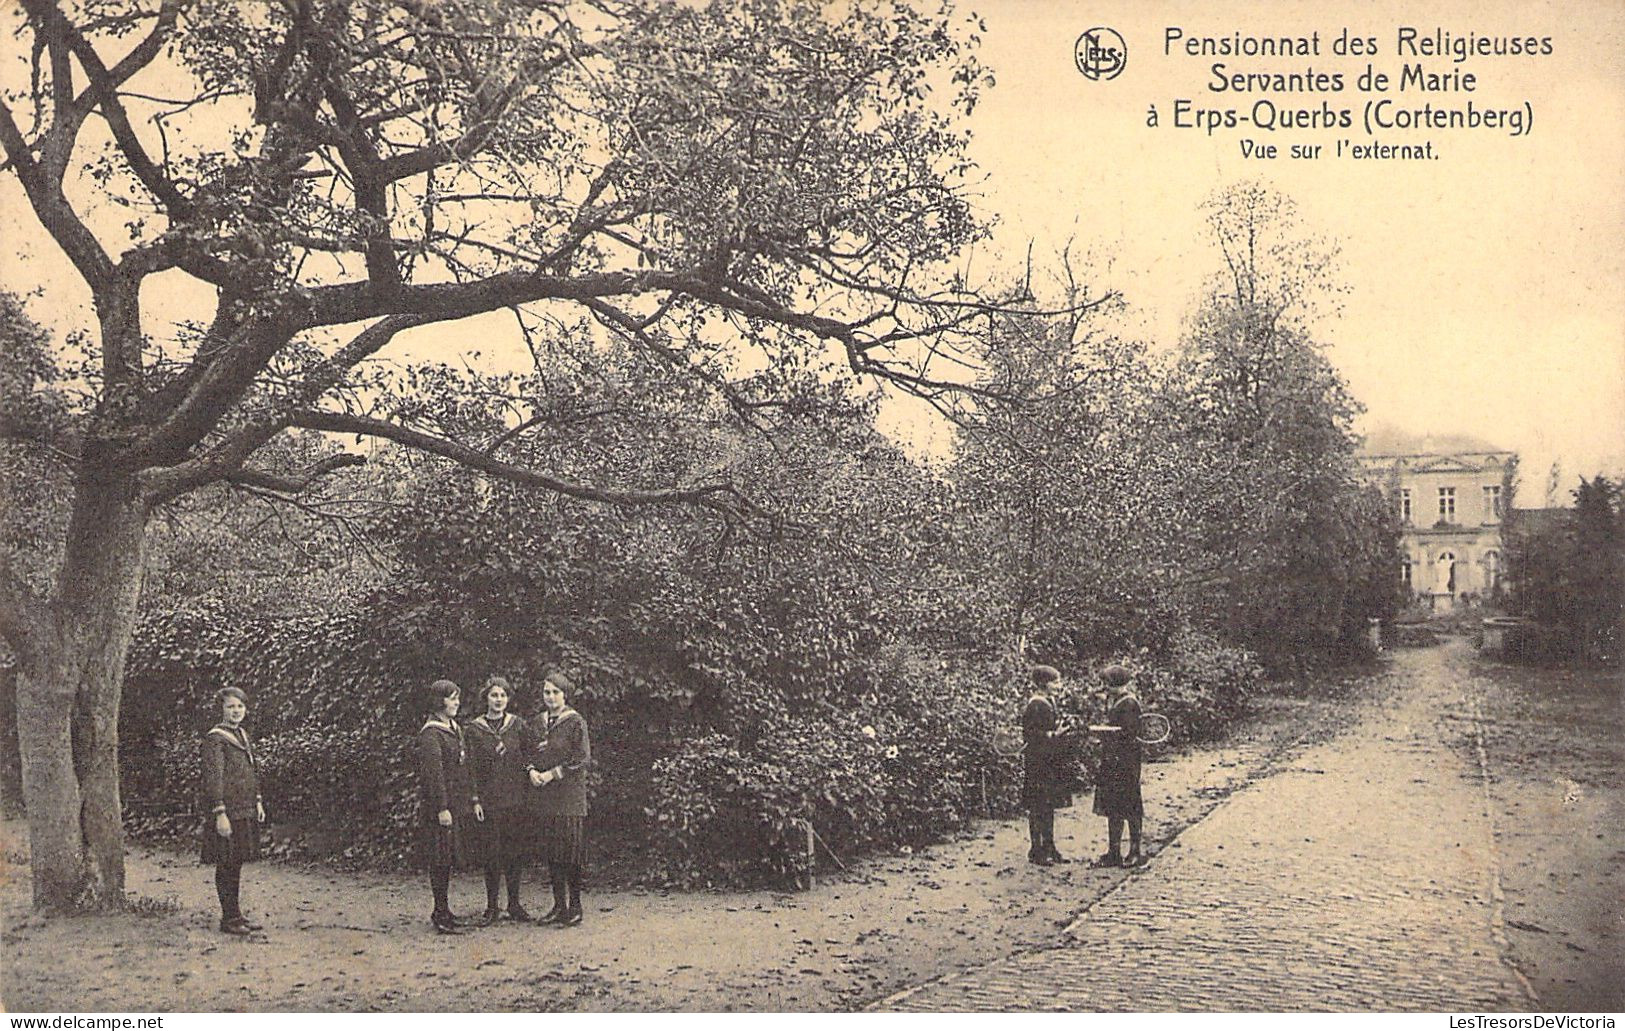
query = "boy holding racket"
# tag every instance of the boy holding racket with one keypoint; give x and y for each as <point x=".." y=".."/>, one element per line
<point x="1117" y="788"/>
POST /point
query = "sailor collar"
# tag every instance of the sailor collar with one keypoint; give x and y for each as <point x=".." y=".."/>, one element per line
<point x="484" y="723"/>
<point x="446" y="725"/>
<point x="236" y="737"/>
<point x="564" y="714"/>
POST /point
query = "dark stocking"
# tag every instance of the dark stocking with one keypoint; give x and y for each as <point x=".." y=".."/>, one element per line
<point x="493" y="881"/>
<point x="440" y="882"/>
<point x="513" y="886"/>
<point x="558" y="874"/>
<point x="575" y="887"/>
<point x="1134" y="834"/>
<point x="228" y="885"/>
<point x="1114" y="833"/>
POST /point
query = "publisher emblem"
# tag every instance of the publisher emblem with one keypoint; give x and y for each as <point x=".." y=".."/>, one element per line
<point x="1100" y="54"/>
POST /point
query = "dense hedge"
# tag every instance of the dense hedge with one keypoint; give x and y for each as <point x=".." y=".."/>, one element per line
<point x="902" y="758"/>
<point x="905" y="766"/>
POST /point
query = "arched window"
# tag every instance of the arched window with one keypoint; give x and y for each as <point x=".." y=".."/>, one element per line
<point x="1405" y="570"/>
<point x="1491" y="563"/>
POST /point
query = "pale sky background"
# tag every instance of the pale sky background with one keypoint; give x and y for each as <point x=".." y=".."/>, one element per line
<point x="1487" y="292"/>
<point x="1487" y="288"/>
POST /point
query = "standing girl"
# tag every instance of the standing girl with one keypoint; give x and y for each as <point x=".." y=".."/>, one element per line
<point x="231" y="790"/>
<point x="446" y="797"/>
<point x="1046" y="778"/>
<point x="558" y="771"/>
<point x="498" y="742"/>
<point x="1117" y="793"/>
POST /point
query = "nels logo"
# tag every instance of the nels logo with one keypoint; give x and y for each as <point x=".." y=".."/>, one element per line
<point x="1100" y="54"/>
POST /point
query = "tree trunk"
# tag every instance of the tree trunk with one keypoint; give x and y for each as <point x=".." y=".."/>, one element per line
<point x="68" y="699"/>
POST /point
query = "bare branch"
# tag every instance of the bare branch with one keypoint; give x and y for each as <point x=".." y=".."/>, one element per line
<point x="287" y="484"/>
<point x="719" y="497"/>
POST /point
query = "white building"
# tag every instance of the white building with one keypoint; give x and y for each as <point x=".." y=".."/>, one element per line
<point x="1451" y="494"/>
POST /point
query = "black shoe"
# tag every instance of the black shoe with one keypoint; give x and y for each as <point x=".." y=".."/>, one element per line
<point x="489" y="917"/>
<point x="237" y="926"/>
<point x="1039" y="859"/>
<point x="251" y="925"/>
<point x="1109" y="859"/>
<point x="1058" y="859"/>
<point x="445" y="923"/>
<point x="518" y="914"/>
<point x="552" y="915"/>
<point x="570" y="917"/>
<point x="1134" y="858"/>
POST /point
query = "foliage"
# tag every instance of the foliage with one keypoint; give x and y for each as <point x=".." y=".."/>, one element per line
<point x="921" y="766"/>
<point x="1568" y="574"/>
<point x="1262" y="422"/>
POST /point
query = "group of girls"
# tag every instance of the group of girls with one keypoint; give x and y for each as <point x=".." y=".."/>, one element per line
<point x="1047" y="779"/>
<point x="494" y="791"/>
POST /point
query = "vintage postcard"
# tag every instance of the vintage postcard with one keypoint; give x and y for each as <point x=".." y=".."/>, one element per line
<point x="669" y="506"/>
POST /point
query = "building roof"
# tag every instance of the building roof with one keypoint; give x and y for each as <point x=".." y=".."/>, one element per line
<point x="1391" y="441"/>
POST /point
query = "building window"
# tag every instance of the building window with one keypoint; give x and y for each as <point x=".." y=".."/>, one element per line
<point x="1492" y="571"/>
<point x="1447" y="504"/>
<point x="1492" y="504"/>
<point x="1405" y="506"/>
<point x="1405" y="571"/>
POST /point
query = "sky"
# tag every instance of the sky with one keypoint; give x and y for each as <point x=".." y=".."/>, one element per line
<point x="1486" y="293"/>
<point x="1486" y="290"/>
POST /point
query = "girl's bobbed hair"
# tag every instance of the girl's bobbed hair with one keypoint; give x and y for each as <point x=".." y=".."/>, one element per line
<point x="495" y="681"/>
<point x="221" y="695"/>
<point x="560" y="681"/>
<point x="431" y="695"/>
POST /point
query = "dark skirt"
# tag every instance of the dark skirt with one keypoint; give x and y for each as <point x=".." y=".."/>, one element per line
<point x="1117" y="792"/>
<point x="242" y="847"/>
<point x="503" y="838"/>
<point x="562" y="838"/>
<point x="442" y="846"/>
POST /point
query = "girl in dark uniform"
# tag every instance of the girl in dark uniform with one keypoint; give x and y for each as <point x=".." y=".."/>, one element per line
<point x="498" y="743"/>
<point x="446" y="797"/>
<point x="1046" y="782"/>
<point x="1117" y="791"/>
<point x="558" y="771"/>
<point x="231" y="791"/>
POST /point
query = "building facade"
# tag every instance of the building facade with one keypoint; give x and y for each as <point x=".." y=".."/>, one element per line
<point x="1451" y="494"/>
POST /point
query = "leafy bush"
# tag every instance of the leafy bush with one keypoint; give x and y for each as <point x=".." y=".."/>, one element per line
<point x="904" y="764"/>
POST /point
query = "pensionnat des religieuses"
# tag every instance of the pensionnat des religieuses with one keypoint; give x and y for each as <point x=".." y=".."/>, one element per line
<point x="1431" y="62"/>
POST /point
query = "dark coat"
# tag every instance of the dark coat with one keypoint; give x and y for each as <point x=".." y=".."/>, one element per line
<point x="231" y="781"/>
<point x="444" y="780"/>
<point x="1047" y="777"/>
<point x="563" y="746"/>
<point x="1117" y="788"/>
<point x="497" y="756"/>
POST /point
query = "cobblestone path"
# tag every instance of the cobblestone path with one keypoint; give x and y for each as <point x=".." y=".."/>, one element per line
<point x="1360" y="875"/>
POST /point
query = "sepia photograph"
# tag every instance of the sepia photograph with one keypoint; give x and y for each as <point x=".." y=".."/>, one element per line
<point x="812" y="506"/>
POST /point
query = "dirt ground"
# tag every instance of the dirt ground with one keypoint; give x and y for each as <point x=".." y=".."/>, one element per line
<point x="1554" y="747"/>
<point x="346" y="942"/>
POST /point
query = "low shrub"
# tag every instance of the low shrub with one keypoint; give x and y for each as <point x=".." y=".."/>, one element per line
<point x="905" y="764"/>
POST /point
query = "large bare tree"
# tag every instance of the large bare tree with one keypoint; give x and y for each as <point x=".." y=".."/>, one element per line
<point x="751" y="191"/>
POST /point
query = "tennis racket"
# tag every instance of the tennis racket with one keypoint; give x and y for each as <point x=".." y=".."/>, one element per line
<point x="1154" y="728"/>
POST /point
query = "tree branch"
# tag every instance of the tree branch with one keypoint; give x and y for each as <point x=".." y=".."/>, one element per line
<point x="719" y="497"/>
<point x="51" y="207"/>
<point x="287" y="484"/>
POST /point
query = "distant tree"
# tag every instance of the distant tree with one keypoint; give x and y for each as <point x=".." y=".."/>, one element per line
<point x="1569" y="573"/>
<point x="1265" y="432"/>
